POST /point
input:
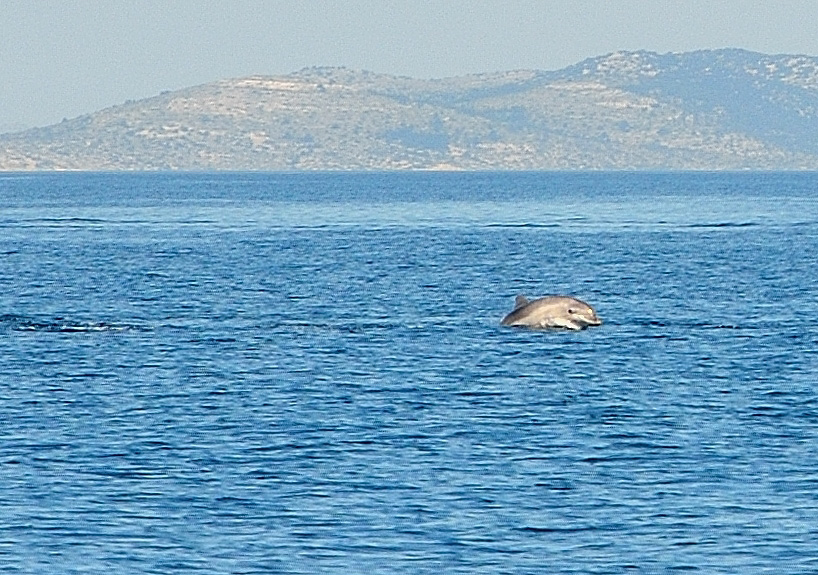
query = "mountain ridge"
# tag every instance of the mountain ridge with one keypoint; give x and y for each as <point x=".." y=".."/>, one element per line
<point x="727" y="109"/>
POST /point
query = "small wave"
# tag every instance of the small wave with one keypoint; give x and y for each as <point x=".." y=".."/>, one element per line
<point x="695" y="324"/>
<point x="68" y="220"/>
<point x="724" y="225"/>
<point x="342" y="327"/>
<point x="558" y="530"/>
<point x="59" y="325"/>
<point x="523" y="225"/>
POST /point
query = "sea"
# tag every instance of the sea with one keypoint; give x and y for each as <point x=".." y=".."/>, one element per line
<point x="305" y="373"/>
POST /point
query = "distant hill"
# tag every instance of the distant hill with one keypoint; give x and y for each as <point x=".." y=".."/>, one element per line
<point x="707" y="110"/>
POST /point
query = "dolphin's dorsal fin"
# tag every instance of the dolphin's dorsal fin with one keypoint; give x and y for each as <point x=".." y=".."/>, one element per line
<point x="520" y="301"/>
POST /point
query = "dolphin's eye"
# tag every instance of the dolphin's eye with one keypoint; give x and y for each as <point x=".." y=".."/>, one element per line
<point x="571" y="310"/>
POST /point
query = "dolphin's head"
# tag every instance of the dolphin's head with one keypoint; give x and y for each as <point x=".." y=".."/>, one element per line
<point x="580" y="313"/>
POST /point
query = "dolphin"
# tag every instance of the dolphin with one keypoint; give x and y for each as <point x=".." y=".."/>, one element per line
<point x="557" y="311"/>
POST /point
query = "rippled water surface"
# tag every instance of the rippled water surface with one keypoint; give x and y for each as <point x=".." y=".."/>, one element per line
<point x="261" y="373"/>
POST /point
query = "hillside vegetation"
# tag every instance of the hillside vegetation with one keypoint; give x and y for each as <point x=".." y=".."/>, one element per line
<point x="709" y="110"/>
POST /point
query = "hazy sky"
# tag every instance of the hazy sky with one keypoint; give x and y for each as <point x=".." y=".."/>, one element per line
<point x="63" y="58"/>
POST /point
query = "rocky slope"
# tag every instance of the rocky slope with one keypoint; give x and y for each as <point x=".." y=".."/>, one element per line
<point x="709" y="110"/>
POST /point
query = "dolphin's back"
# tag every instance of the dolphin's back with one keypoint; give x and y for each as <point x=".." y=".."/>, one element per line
<point x="519" y="311"/>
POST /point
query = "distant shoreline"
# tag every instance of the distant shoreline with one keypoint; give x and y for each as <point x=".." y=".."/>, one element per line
<point x="716" y="110"/>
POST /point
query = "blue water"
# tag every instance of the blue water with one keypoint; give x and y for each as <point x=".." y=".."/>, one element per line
<point x="260" y="373"/>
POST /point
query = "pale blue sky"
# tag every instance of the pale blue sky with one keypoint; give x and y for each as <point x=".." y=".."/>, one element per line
<point x="63" y="58"/>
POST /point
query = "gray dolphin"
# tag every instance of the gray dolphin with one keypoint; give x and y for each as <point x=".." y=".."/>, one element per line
<point x="558" y="311"/>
